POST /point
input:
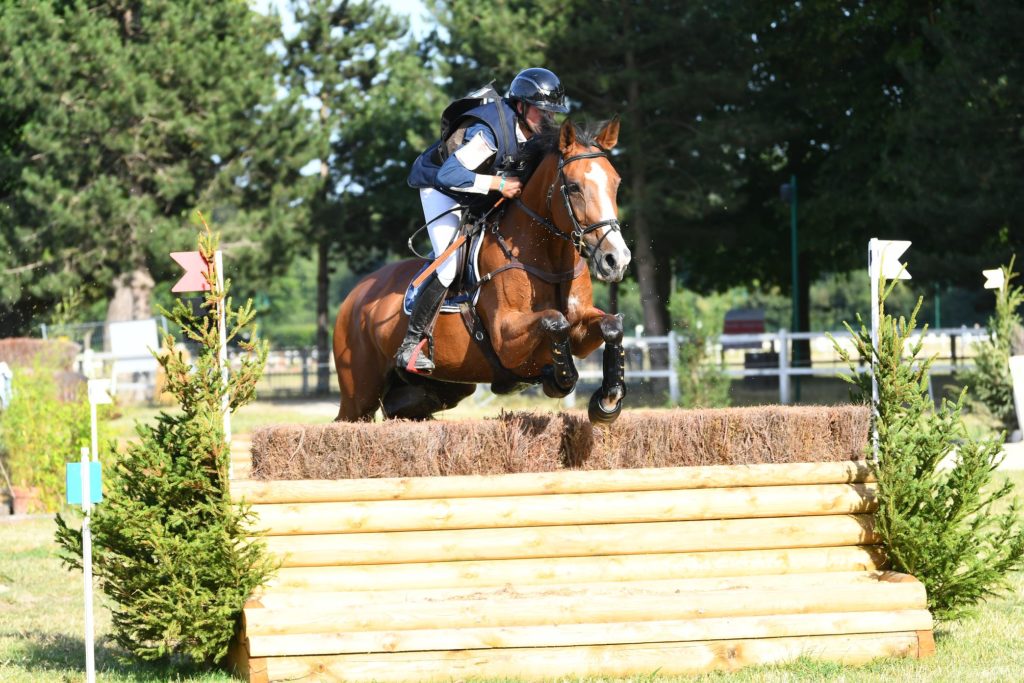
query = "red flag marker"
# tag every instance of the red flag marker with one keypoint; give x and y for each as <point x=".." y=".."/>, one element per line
<point x="194" y="279"/>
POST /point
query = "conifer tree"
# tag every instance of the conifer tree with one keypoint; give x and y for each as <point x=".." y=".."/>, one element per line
<point x="937" y="524"/>
<point x="116" y="119"/>
<point x="170" y="547"/>
<point x="989" y="382"/>
<point x="373" y="96"/>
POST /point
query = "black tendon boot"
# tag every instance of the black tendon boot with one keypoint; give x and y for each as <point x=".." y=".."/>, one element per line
<point x="410" y="355"/>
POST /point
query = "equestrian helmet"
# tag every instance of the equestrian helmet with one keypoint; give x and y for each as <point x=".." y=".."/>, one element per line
<point x="539" y="87"/>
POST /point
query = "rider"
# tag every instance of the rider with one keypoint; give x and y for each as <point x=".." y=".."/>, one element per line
<point x="466" y="169"/>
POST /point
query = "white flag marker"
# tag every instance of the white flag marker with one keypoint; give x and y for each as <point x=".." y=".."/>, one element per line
<point x="885" y="259"/>
<point x="99" y="394"/>
<point x="994" y="278"/>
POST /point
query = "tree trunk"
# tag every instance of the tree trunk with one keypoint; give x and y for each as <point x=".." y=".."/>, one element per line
<point x="323" y="351"/>
<point x="323" y="268"/>
<point x="645" y="261"/>
<point x="131" y="299"/>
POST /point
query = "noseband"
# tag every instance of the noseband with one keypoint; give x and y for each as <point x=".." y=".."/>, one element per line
<point x="579" y="231"/>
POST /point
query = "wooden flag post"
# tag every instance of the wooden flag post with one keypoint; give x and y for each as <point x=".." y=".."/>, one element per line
<point x="197" y="279"/>
<point x="222" y="330"/>
<point x="995" y="278"/>
<point x="85" y="487"/>
<point x="883" y="264"/>
<point x="100" y="391"/>
<point x="90" y="644"/>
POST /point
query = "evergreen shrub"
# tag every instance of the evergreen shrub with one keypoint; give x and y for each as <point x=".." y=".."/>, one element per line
<point x="991" y="388"/>
<point x="703" y="383"/>
<point x="937" y="524"/>
<point x="170" y="547"/>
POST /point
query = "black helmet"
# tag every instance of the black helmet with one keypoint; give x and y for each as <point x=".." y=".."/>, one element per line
<point x="539" y="87"/>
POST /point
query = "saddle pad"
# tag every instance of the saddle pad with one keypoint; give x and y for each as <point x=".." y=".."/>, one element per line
<point x="451" y="303"/>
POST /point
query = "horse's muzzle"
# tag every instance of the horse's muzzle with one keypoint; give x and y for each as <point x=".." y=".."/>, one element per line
<point x="609" y="265"/>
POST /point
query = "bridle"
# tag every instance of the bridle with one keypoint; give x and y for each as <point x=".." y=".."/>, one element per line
<point x="579" y="231"/>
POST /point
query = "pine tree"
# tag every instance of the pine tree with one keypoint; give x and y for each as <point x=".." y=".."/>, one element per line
<point x="123" y="116"/>
<point x="356" y="60"/>
<point x="990" y="382"/>
<point x="170" y="547"/>
<point x="936" y="524"/>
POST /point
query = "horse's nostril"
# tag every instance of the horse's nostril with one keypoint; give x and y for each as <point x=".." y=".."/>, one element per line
<point x="609" y="260"/>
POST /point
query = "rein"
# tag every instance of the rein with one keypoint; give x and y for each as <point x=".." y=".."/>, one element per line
<point x="576" y="237"/>
<point x="468" y="311"/>
<point x="579" y="231"/>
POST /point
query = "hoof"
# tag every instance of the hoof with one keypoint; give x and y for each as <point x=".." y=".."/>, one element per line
<point x="555" y="389"/>
<point x="598" y="414"/>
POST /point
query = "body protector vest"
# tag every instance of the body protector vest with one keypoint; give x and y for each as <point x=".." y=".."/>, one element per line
<point x="484" y="106"/>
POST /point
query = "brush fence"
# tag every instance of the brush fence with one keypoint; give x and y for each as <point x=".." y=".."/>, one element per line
<point x="675" y="570"/>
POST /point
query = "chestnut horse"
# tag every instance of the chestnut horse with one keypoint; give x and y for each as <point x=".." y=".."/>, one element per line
<point x="535" y="307"/>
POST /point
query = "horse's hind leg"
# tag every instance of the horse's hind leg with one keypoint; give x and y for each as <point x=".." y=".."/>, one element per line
<point x="606" y="402"/>
<point x="361" y="388"/>
<point x="357" y="409"/>
<point x="422" y="397"/>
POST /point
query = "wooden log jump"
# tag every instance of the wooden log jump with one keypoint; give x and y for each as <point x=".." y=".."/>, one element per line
<point x="678" y="570"/>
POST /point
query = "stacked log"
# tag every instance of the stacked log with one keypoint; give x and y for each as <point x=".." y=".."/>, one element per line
<point x="539" y="575"/>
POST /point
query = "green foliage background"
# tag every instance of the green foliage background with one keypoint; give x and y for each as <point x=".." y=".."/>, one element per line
<point x="121" y="117"/>
<point x="42" y="429"/>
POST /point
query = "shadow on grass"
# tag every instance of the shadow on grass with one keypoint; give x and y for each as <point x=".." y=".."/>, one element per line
<point x="61" y="653"/>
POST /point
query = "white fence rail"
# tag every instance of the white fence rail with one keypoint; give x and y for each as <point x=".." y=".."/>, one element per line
<point x="953" y="348"/>
<point x="293" y="372"/>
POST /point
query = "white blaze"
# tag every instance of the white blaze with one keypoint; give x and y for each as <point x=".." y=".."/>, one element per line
<point x="613" y="241"/>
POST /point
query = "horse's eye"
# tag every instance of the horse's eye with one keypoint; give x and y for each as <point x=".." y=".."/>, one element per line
<point x="573" y="187"/>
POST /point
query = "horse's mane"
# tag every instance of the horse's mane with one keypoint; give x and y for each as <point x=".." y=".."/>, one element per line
<point x="546" y="142"/>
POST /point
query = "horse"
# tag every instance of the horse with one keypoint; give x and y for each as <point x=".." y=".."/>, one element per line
<point x="535" y="306"/>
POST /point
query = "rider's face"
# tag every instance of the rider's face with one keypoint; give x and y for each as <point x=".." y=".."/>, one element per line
<point x="534" y="118"/>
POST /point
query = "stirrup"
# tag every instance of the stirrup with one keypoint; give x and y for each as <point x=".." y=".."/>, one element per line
<point x="418" y="362"/>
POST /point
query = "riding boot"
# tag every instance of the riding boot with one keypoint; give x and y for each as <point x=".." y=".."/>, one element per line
<point x="410" y="356"/>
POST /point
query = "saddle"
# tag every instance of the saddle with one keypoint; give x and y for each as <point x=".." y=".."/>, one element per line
<point x="464" y="288"/>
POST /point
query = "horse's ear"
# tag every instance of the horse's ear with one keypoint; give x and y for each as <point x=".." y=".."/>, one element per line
<point x="609" y="135"/>
<point x="566" y="136"/>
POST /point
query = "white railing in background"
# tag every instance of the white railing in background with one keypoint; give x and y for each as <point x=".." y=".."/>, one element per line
<point x="293" y="372"/>
<point x="633" y="344"/>
<point x="730" y="350"/>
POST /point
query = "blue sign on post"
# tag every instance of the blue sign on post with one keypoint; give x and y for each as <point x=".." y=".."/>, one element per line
<point x="74" y="481"/>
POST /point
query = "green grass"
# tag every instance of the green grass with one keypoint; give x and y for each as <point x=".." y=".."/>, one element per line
<point x="243" y="421"/>
<point x="41" y="626"/>
<point x="42" y="617"/>
<point x="261" y="413"/>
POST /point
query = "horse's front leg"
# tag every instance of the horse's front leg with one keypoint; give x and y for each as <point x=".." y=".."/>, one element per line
<point x="520" y="339"/>
<point x="559" y="378"/>
<point x="606" y="403"/>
